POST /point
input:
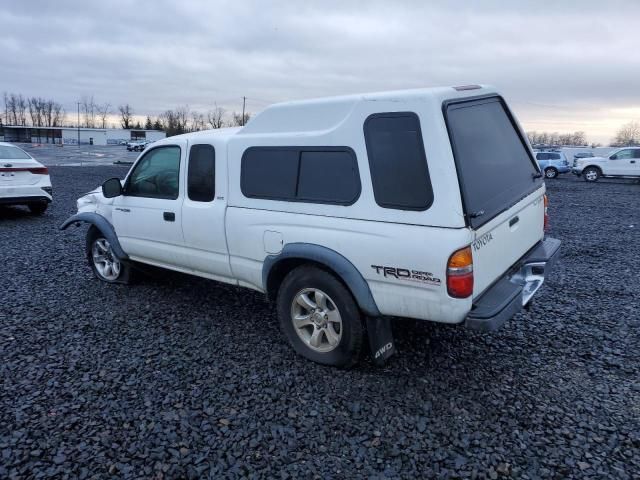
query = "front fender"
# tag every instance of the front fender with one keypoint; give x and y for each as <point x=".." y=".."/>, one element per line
<point x="101" y="224"/>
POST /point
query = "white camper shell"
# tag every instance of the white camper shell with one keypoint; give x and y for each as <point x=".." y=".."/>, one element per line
<point x="426" y="204"/>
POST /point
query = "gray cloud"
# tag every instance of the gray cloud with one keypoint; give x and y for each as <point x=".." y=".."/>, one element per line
<point x="557" y="62"/>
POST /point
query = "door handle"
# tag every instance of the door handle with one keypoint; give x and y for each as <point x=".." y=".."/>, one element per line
<point x="169" y="216"/>
<point x="633" y="161"/>
<point x="513" y="221"/>
<point x="125" y="210"/>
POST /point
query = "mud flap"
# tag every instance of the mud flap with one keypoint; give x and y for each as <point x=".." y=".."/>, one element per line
<point x="380" y="339"/>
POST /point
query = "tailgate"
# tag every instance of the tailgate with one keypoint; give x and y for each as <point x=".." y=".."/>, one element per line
<point x="500" y="182"/>
<point x="501" y="242"/>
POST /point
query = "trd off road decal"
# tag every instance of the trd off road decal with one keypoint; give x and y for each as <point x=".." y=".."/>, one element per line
<point x="406" y="274"/>
<point x="482" y="241"/>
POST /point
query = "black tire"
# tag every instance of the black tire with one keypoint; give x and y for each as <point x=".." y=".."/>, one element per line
<point x="550" y="172"/>
<point x="125" y="272"/>
<point x="349" y="347"/>
<point x="591" y="174"/>
<point x="38" y="208"/>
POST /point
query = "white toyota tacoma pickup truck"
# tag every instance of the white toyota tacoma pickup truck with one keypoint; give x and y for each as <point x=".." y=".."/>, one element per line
<point x="345" y="211"/>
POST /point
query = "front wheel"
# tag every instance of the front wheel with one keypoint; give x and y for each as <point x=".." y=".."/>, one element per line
<point x="591" y="174"/>
<point x="103" y="261"/>
<point x="551" y="172"/>
<point x="320" y="318"/>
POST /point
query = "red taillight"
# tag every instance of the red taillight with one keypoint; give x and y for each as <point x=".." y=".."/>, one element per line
<point x="460" y="273"/>
<point x="39" y="171"/>
<point x="546" y="213"/>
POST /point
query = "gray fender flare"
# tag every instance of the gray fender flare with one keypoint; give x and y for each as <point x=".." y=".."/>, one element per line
<point x="101" y="224"/>
<point x="345" y="270"/>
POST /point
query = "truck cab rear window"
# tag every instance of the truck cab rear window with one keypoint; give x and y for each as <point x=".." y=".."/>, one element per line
<point x="201" y="177"/>
<point x="397" y="161"/>
<point x="301" y="174"/>
<point x="494" y="165"/>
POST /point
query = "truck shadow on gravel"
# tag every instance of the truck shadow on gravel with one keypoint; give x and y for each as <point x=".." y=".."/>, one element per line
<point x="421" y="345"/>
<point x="17" y="213"/>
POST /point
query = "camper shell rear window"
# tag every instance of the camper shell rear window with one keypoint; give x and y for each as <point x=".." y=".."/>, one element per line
<point x="495" y="166"/>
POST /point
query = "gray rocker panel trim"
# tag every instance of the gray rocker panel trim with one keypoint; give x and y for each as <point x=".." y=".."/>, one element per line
<point x="347" y="272"/>
<point x="101" y="224"/>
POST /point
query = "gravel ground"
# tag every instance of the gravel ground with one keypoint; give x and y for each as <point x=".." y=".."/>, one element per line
<point x="178" y="377"/>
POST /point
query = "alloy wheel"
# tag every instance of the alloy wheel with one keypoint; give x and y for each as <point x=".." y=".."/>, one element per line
<point x="104" y="260"/>
<point x="316" y="320"/>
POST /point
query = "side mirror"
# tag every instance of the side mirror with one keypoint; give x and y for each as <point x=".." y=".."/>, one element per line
<point x="112" y="188"/>
<point x="613" y="157"/>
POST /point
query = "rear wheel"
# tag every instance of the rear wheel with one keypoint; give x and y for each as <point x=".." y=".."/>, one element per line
<point x="320" y="318"/>
<point x="551" y="172"/>
<point x="103" y="261"/>
<point x="591" y="174"/>
<point x="38" y="208"/>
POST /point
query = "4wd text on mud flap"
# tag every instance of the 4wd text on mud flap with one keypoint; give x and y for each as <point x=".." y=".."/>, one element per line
<point x="386" y="347"/>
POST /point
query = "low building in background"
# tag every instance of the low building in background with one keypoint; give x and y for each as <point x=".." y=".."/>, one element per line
<point x="70" y="135"/>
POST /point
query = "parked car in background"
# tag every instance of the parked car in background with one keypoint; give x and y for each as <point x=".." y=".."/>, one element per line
<point x="582" y="155"/>
<point x="343" y="213"/>
<point x="23" y="180"/>
<point x="137" y="146"/>
<point x="624" y="162"/>
<point x="552" y="163"/>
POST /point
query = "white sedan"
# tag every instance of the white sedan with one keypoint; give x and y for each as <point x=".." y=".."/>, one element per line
<point x="23" y="180"/>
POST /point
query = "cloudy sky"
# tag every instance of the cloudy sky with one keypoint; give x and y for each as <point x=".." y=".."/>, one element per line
<point x="563" y="65"/>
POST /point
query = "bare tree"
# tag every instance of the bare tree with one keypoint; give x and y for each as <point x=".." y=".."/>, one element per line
<point x="36" y="107"/>
<point x="562" y="139"/>
<point x="58" y="115"/>
<point x="88" y="106"/>
<point x="237" y="119"/>
<point x="182" y="117"/>
<point x="215" y="117"/>
<point x="579" y="138"/>
<point x="21" y="110"/>
<point x="198" y="121"/>
<point x="47" y="112"/>
<point x="103" y="112"/>
<point x="11" y="108"/>
<point x="628" y="134"/>
<point x="126" y="116"/>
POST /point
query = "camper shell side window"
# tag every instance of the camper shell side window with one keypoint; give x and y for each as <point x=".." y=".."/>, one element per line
<point x="326" y="175"/>
<point x="397" y="161"/>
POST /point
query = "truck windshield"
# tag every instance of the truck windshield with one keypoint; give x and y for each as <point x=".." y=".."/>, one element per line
<point x="494" y="165"/>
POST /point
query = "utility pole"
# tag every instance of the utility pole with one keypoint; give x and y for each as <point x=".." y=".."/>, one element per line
<point x="78" y="123"/>
<point x="244" y="100"/>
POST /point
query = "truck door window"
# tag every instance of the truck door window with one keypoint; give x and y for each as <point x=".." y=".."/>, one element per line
<point x="201" y="175"/>
<point x="622" y="155"/>
<point x="156" y="175"/>
<point x="397" y="161"/>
